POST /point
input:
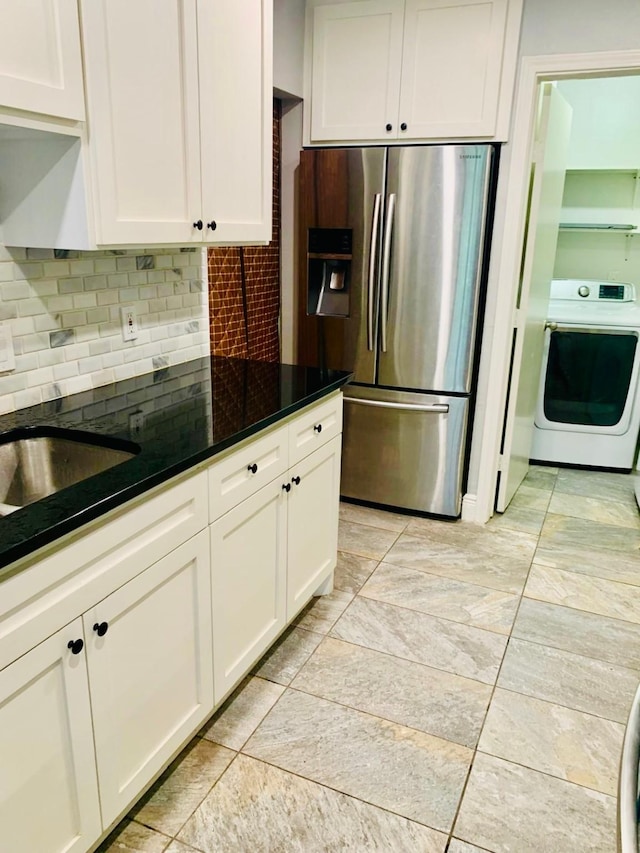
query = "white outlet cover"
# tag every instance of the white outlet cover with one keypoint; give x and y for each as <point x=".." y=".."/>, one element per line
<point x="7" y="355"/>
<point x="129" y="322"/>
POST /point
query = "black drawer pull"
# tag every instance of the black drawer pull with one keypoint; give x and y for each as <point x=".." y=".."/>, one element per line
<point x="213" y="225"/>
<point x="101" y="628"/>
<point x="286" y="487"/>
<point x="253" y="468"/>
<point x="296" y="480"/>
<point x="76" y="646"/>
<point x="318" y="428"/>
<point x="198" y="224"/>
<point x="403" y="126"/>
<point x="389" y="127"/>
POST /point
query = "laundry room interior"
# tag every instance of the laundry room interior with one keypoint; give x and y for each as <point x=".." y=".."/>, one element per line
<point x="597" y="245"/>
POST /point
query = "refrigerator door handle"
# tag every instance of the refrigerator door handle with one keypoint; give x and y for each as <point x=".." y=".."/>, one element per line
<point x="373" y="256"/>
<point x="436" y="408"/>
<point x="386" y="264"/>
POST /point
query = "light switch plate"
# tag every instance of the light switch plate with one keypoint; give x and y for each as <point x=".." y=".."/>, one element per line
<point x="7" y="356"/>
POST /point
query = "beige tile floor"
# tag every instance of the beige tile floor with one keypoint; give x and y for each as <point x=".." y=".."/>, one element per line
<point x="464" y="689"/>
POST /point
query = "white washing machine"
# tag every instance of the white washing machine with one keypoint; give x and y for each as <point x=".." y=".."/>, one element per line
<point x="588" y="410"/>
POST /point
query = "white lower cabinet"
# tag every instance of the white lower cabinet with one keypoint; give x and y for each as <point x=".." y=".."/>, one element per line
<point x="48" y="786"/>
<point x="248" y="564"/>
<point x="312" y="524"/>
<point x="268" y="556"/>
<point x="92" y="714"/>
<point x="150" y="671"/>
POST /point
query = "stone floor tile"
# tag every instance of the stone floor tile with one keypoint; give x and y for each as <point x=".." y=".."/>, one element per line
<point x="445" y="597"/>
<point x="364" y="540"/>
<point x="512" y="809"/>
<point x="524" y="519"/>
<point x="493" y="541"/>
<point x="183" y="786"/>
<point x="541" y="476"/>
<point x="465" y="563"/>
<point x="530" y="497"/>
<point x="587" y="634"/>
<point x="583" y="592"/>
<point x="568" y="744"/>
<point x="562" y="530"/>
<point x="179" y="847"/>
<point x="604" y="485"/>
<point x="399" y="769"/>
<point x="596" y="508"/>
<point x="352" y="571"/>
<point x="458" y="846"/>
<point x="132" y="837"/>
<point x="322" y="612"/>
<point x="568" y="679"/>
<point x="283" y="660"/>
<point x="589" y="560"/>
<point x="440" y="643"/>
<point x="262" y="809"/>
<point x="384" y="519"/>
<point x="404" y="692"/>
<point x="240" y="715"/>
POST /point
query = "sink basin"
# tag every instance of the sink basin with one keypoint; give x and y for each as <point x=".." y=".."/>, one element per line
<point x="37" y="462"/>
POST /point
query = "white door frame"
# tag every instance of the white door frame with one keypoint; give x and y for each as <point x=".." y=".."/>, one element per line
<point x="504" y="272"/>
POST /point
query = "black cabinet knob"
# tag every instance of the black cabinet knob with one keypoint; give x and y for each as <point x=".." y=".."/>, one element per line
<point x="213" y="225"/>
<point x="198" y="224"/>
<point x="403" y="126"/>
<point x="318" y="428"/>
<point x="253" y="468"/>
<point x="101" y="628"/>
<point x="286" y="487"/>
<point x="76" y="646"/>
<point x="389" y="127"/>
<point x="296" y="480"/>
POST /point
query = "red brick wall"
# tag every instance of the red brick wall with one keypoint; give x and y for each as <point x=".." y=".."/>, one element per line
<point x="258" y="337"/>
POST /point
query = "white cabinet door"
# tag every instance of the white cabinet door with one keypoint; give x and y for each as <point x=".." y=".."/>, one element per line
<point x="451" y="66"/>
<point x="312" y="523"/>
<point x="150" y="673"/>
<point x="141" y="65"/>
<point x="48" y="788"/>
<point x="248" y="560"/>
<point x="40" y="58"/>
<point x="356" y="61"/>
<point x="236" y="108"/>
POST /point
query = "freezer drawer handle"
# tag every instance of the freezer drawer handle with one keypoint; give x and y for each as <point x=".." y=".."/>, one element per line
<point x="386" y="264"/>
<point x="628" y="782"/>
<point x="435" y="408"/>
<point x="373" y="254"/>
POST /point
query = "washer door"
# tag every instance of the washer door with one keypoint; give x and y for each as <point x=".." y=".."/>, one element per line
<point x="588" y="381"/>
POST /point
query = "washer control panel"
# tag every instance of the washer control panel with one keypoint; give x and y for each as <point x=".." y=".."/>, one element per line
<point x="592" y="291"/>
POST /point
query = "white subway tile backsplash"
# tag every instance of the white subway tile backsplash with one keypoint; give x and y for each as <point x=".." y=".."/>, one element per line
<point x="64" y="310"/>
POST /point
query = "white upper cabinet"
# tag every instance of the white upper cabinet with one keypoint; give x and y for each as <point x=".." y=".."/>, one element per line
<point x="409" y="69"/>
<point x="40" y="58"/>
<point x="357" y="52"/>
<point x="179" y="100"/>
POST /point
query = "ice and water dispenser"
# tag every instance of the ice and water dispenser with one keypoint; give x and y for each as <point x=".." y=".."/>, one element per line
<point x="329" y="271"/>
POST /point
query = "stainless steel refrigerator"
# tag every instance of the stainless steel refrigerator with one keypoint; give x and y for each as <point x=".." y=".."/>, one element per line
<point x="393" y="242"/>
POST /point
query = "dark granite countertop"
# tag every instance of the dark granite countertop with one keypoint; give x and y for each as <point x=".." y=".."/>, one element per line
<point x="190" y="412"/>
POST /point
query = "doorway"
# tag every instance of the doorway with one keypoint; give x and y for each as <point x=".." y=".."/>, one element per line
<point x="506" y="270"/>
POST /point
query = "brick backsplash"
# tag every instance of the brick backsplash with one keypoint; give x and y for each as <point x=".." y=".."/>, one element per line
<point x="64" y="313"/>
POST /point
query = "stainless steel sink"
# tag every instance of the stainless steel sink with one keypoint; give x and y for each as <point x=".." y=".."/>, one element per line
<point x="34" y="465"/>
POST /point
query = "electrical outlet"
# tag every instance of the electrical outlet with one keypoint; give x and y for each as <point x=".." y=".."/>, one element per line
<point x="136" y="424"/>
<point x="129" y="323"/>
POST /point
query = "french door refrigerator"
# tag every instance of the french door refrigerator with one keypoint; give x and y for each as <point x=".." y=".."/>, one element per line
<point x="394" y="241"/>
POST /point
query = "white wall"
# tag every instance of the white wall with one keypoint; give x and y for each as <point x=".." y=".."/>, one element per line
<point x="579" y="26"/>
<point x="288" y="46"/>
<point x="288" y="70"/>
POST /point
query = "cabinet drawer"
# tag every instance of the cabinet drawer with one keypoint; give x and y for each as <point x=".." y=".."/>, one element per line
<point x="314" y="428"/>
<point x="38" y="600"/>
<point x="244" y="471"/>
